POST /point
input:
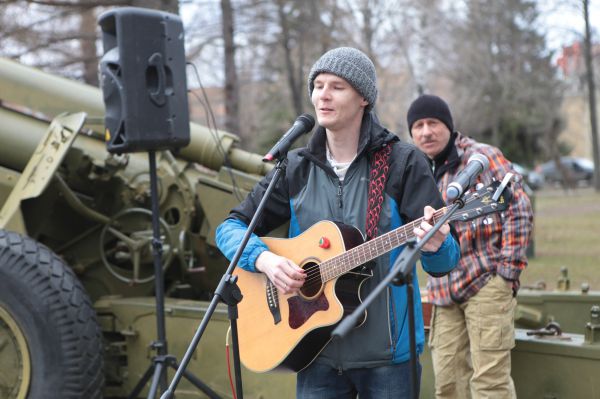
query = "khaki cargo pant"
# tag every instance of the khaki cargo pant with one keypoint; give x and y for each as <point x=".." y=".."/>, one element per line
<point x="470" y="344"/>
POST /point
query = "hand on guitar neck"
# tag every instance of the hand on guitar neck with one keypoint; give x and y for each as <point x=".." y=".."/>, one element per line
<point x="285" y="274"/>
<point x="438" y="238"/>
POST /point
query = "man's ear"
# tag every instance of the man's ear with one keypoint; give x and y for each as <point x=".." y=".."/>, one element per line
<point x="364" y="102"/>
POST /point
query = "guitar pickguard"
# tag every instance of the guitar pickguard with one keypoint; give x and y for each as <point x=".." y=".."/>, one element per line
<point x="301" y="310"/>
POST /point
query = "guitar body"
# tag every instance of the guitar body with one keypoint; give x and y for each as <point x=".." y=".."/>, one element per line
<point x="286" y="332"/>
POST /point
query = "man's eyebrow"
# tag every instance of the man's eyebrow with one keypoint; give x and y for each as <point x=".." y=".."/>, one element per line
<point x="336" y="80"/>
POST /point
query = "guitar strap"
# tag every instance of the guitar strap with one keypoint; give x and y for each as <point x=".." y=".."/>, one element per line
<point x="377" y="179"/>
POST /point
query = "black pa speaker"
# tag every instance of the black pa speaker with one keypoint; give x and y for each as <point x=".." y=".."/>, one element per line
<point x="143" y="80"/>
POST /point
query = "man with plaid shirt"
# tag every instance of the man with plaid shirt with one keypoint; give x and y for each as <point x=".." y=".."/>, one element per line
<point x="472" y="326"/>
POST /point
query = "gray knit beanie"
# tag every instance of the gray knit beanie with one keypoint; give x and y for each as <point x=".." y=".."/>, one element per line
<point x="352" y="65"/>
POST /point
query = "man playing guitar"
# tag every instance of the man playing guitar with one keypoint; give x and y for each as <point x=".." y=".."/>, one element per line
<point x="356" y="172"/>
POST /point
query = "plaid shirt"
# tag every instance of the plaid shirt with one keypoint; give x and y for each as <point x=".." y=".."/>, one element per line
<point x="493" y="244"/>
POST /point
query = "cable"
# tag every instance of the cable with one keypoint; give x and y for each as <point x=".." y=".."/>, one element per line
<point x="229" y="363"/>
<point x="212" y="128"/>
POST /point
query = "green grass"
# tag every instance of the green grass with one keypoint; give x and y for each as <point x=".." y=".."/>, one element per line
<point x="566" y="233"/>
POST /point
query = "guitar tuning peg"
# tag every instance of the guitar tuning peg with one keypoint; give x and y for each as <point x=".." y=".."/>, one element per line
<point x="507" y="179"/>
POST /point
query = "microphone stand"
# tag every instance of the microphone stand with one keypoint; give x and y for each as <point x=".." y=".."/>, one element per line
<point x="229" y="292"/>
<point x="400" y="273"/>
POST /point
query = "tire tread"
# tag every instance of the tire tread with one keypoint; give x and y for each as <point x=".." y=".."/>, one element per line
<point x="69" y="307"/>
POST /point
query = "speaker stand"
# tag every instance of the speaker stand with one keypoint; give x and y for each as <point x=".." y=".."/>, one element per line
<point x="158" y="368"/>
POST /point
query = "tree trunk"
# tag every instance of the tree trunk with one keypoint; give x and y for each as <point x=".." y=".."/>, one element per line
<point x="368" y="31"/>
<point x="232" y="92"/>
<point x="171" y="6"/>
<point x="285" y="43"/>
<point x="88" y="46"/>
<point x="566" y="179"/>
<point x="587" y="49"/>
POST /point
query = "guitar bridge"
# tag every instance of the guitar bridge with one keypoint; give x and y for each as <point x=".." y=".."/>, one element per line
<point x="273" y="301"/>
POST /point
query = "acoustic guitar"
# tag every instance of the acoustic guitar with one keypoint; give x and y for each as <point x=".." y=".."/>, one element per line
<point x="287" y="332"/>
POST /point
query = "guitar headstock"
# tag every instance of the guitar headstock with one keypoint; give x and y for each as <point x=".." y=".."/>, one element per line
<point x="481" y="203"/>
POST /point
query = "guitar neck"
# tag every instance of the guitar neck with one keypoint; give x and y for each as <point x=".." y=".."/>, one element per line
<point x="370" y="250"/>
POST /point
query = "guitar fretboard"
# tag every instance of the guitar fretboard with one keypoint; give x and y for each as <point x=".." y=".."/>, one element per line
<point x="370" y="250"/>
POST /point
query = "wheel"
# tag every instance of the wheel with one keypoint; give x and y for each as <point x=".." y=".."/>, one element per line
<point x="50" y="341"/>
<point x="126" y="246"/>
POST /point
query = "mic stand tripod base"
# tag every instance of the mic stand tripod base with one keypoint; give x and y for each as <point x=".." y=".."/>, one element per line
<point x="231" y="295"/>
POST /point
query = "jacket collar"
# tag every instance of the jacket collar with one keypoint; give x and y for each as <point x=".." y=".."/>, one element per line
<point x="448" y="159"/>
<point x="372" y="137"/>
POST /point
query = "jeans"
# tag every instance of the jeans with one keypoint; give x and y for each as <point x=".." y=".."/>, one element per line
<point x="319" y="381"/>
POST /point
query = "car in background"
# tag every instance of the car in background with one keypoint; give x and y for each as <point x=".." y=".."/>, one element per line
<point x="580" y="170"/>
<point x="532" y="178"/>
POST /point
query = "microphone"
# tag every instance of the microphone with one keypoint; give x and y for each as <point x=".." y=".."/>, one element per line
<point x="477" y="164"/>
<point x="302" y="125"/>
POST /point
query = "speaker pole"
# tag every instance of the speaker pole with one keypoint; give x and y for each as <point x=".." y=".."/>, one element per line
<point x="160" y="345"/>
<point x="158" y="369"/>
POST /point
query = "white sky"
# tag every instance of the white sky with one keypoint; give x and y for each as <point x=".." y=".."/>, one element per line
<point x="563" y="20"/>
<point x="560" y="20"/>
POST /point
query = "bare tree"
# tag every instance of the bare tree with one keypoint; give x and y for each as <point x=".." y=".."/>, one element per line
<point x="89" y="50"/>
<point x="591" y="94"/>
<point x="171" y="6"/>
<point x="488" y="58"/>
<point x="60" y="35"/>
<point x="503" y="77"/>
<point x="232" y="93"/>
<point x="286" y="44"/>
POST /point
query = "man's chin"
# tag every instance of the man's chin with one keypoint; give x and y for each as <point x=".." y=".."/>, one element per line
<point x="324" y="122"/>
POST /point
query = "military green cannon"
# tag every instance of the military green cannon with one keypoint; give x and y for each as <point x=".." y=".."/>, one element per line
<point x="76" y="271"/>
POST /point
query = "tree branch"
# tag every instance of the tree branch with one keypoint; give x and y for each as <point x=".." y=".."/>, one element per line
<point x="81" y="4"/>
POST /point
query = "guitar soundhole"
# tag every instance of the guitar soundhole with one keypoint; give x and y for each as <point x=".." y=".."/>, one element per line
<point x="313" y="284"/>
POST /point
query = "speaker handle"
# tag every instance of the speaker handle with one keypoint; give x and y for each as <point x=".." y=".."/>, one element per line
<point x="158" y="96"/>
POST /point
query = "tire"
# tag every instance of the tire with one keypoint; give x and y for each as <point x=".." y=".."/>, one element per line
<point x="54" y="341"/>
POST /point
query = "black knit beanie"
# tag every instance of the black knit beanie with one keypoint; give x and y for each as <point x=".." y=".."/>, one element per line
<point x="428" y="106"/>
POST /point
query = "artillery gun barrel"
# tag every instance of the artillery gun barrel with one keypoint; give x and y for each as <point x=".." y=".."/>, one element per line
<point x="52" y="95"/>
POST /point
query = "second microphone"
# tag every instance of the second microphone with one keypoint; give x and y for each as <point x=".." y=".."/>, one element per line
<point x="476" y="164"/>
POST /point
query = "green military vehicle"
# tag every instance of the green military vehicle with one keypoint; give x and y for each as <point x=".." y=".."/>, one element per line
<point x="77" y="305"/>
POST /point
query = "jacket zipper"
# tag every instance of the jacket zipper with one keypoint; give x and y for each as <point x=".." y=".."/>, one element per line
<point x="327" y="168"/>
<point x="393" y="324"/>
<point x="340" y="193"/>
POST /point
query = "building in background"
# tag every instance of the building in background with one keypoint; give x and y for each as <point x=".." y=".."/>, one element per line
<point x="571" y="65"/>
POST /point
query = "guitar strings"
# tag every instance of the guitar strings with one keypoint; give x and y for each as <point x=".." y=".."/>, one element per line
<point x="313" y="272"/>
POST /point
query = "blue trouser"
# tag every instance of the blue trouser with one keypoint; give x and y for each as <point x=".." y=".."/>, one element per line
<point x="319" y="381"/>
